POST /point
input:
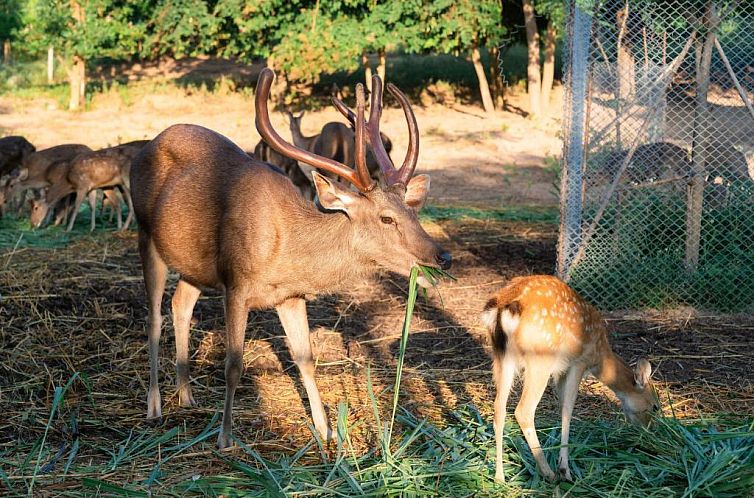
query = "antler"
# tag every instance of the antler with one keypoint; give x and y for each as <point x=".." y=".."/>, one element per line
<point x="361" y="149"/>
<point x="412" y="153"/>
<point x="357" y="177"/>
<point x="392" y="176"/>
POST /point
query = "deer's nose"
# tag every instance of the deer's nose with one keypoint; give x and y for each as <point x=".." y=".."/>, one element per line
<point x="444" y="260"/>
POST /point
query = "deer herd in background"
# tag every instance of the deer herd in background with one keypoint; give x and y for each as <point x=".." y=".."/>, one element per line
<point x="60" y="178"/>
<point x="230" y="220"/>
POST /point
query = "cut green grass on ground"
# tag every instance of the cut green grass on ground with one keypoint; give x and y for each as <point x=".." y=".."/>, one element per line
<point x="608" y="458"/>
<point x="530" y="214"/>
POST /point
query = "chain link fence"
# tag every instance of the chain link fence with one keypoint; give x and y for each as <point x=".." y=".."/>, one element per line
<point x="657" y="194"/>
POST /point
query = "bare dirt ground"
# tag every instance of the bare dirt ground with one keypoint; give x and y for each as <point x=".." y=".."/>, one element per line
<point x="473" y="160"/>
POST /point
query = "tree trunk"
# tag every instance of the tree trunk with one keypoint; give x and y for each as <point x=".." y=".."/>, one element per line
<point x="77" y="77"/>
<point x="50" y="65"/>
<point x="695" y="190"/>
<point x="6" y="51"/>
<point x="496" y="78"/>
<point x="532" y="71"/>
<point x="367" y="70"/>
<point x="382" y="64"/>
<point x="484" y="88"/>
<point x="626" y="72"/>
<point x="280" y="85"/>
<point x="548" y="69"/>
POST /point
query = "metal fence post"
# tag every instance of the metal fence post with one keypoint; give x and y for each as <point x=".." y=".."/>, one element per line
<point x="578" y="70"/>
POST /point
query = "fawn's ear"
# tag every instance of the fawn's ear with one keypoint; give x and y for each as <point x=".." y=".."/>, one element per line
<point x="642" y="373"/>
<point x="332" y="196"/>
<point x="417" y="191"/>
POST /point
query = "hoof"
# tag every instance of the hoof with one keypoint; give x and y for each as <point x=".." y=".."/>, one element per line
<point x="154" y="421"/>
<point x="565" y="474"/>
<point x="186" y="399"/>
<point x="224" y="442"/>
<point x="154" y="404"/>
<point x="548" y="474"/>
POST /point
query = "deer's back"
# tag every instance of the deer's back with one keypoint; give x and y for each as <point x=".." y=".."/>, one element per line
<point x="12" y="152"/>
<point x="94" y="170"/>
<point x="204" y="202"/>
<point x="38" y="162"/>
<point x="554" y="319"/>
<point x="336" y="142"/>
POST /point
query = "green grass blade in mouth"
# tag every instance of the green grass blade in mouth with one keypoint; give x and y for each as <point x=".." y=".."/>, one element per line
<point x="410" y="303"/>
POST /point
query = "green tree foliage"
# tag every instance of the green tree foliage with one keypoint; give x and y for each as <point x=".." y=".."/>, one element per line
<point x="251" y="29"/>
<point x="179" y="28"/>
<point x="10" y="18"/>
<point x="301" y="39"/>
<point x="310" y="49"/>
<point x="463" y="27"/>
<point x="456" y="26"/>
<point x="105" y="29"/>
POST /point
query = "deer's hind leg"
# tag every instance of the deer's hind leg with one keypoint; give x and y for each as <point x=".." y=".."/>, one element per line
<point x="92" y="197"/>
<point x="155" y="273"/>
<point x="183" y="303"/>
<point x="537" y="372"/>
<point x="504" y="369"/>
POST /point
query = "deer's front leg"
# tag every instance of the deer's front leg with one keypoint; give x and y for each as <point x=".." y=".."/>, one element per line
<point x="292" y="313"/>
<point x="568" y="389"/>
<point x="236" y="315"/>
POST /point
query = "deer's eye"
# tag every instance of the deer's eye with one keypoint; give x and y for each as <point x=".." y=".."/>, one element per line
<point x="387" y="220"/>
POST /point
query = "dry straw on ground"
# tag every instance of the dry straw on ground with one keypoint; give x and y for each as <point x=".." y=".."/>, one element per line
<point x="80" y="309"/>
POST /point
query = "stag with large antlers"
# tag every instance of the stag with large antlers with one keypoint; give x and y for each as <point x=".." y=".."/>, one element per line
<point x="227" y="221"/>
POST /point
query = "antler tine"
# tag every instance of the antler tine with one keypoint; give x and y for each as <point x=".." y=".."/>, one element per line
<point x="361" y="148"/>
<point x="389" y="172"/>
<point x="412" y="154"/>
<point x="344" y="110"/>
<point x="264" y="126"/>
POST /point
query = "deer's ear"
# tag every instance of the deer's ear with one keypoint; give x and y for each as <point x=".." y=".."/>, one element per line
<point x="417" y="191"/>
<point x="642" y="373"/>
<point x="332" y="196"/>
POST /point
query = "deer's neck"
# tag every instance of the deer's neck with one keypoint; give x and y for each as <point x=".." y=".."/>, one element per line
<point x="300" y="140"/>
<point x="324" y="252"/>
<point x="614" y="373"/>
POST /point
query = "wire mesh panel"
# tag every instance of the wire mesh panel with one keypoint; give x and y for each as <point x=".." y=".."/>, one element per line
<point x="657" y="196"/>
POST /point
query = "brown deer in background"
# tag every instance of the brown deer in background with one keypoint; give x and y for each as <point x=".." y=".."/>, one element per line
<point x="109" y="167"/>
<point x="540" y="324"/>
<point x="336" y="141"/>
<point x="13" y="151"/>
<point x="291" y="168"/>
<point x="33" y="174"/>
<point x="56" y="174"/>
<point x="227" y="221"/>
<point x="111" y="203"/>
